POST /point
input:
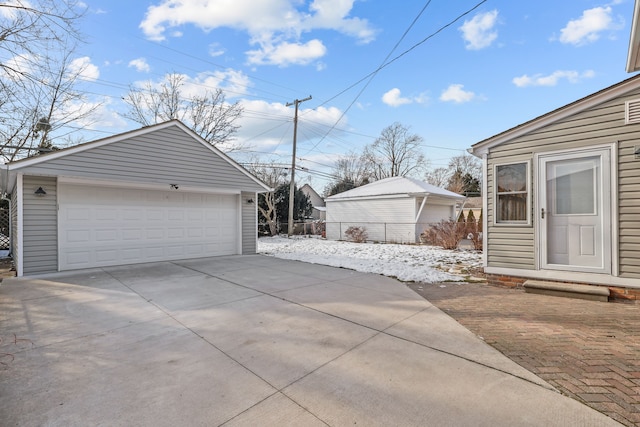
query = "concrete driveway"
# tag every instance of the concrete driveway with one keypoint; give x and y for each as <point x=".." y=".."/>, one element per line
<point x="253" y="340"/>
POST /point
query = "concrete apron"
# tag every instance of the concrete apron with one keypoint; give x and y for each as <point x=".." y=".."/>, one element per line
<point x="252" y="340"/>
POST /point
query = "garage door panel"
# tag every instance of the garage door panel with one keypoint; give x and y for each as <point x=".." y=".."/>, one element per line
<point x="110" y="255"/>
<point x="133" y="226"/>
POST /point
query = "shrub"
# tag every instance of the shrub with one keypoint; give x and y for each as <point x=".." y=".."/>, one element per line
<point x="356" y="234"/>
<point x="446" y="234"/>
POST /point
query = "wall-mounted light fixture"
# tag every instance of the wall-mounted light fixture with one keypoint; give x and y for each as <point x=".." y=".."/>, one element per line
<point x="249" y="201"/>
<point x="40" y="192"/>
<point x="174" y="186"/>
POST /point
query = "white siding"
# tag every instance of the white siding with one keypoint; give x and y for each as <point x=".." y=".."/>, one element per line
<point x="386" y="220"/>
<point x="432" y="214"/>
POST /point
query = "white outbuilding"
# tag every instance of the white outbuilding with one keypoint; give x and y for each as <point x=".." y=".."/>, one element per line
<point x="396" y="209"/>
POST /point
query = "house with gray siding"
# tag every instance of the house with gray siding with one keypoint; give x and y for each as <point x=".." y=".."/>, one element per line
<point x="561" y="195"/>
<point x="154" y="194"/>
<point x="396" y="209"/>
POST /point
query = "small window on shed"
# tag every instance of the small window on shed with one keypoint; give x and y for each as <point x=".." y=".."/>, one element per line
<point x="632" y="111"/>
<point x="512" y="193"/>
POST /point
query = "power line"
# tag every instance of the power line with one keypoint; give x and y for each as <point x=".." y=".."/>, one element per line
<point x="371" y="75"/>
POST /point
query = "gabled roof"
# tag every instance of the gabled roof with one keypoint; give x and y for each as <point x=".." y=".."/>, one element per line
<point x="397" y="185"/>
<point x="590" y="101"/>
<point x="309" y="191"/>
<point x="43" y="158"/>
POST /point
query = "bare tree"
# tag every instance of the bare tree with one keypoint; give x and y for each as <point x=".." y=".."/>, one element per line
<point x="438" y="177"/>
<point x="273" y="175"/>
<point x="463" y="175"/>
<point x="350" y="171"/>
<point x="466" y="163"/>
<point x="31" y="29"/>
<point x="396" y="152"/>
<point x="208" y="114"/>
<point x="38" y="108"/>
<point x="38" y="77"/>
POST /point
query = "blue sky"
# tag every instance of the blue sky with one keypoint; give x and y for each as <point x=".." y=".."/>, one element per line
<point x="465" y="69"/>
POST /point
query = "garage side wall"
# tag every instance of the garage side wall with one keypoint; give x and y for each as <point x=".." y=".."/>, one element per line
<point x="385" y="220"/>
<point x="40" y="229"/>
<point x="249" y="221"/>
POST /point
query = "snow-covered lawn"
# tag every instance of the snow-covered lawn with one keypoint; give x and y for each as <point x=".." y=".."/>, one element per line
<point x="406" y="262"/>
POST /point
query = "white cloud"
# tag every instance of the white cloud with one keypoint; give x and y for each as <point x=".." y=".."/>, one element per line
<point x="265" y="136"/>
<point x="285" y="53"/>
<point x="216" y="50"/>
<point x="140" y="64"/>
<point x="479" y="32"/>
<point x="234" y="83"/>
<point x="394" y="99"/>
<point x="275" y="27"/>
<point x="84" y="68"/>
<point x="589" y="26"/>
<point x="456" y="93"/>
<point x="552" y="79"/>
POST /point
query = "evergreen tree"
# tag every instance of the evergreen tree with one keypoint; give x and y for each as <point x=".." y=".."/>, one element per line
<point x="301" y="204"/>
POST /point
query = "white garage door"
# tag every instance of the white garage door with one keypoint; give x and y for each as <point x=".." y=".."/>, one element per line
<point x="102" y="226"/>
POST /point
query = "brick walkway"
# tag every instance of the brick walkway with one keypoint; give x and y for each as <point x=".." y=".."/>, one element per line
<point x="589" y="351"/>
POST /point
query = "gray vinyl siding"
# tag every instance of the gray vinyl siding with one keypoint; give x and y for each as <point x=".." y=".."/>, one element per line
<point x="629" y="208"/>
<point x="603" y="124"/>
<point x="249" y="214"/>
<point x="509" y="245"/>
<point x="166" y="156"/>
<point x="39" y="227"/>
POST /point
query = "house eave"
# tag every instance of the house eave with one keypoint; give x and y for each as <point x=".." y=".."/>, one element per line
<point x="633" y="55"/>
<point x="16" y="166"/>
<point x="480" y="148"/>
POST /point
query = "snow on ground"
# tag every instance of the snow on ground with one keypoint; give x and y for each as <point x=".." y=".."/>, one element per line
<point x="405" y="262"/>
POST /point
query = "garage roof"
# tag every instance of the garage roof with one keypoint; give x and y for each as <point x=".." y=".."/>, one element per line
<point x="397" y="185"/>
<point x="152" y="154"/>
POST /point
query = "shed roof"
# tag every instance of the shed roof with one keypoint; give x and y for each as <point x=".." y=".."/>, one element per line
<point x="397" y="185"/>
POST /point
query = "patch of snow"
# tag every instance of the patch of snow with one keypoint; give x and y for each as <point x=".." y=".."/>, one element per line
<point x="409" y="263"/>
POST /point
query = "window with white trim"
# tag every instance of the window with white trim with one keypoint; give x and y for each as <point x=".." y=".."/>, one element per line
<point x="512" y="193"/>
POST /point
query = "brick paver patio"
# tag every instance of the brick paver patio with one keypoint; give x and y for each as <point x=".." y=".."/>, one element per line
<point x="587" y="350"/>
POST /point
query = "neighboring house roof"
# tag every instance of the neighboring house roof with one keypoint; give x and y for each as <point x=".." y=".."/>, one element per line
<point x="17" y="165"/>
<point x="633" y="56"/>
<point x="473" y="203"/>
<point x="315" y="198"/>
<point x="396" y="185"/>
<point x="575" y="107"/>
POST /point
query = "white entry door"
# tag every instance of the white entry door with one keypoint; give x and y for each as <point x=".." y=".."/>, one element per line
<point x="575" y="211"/>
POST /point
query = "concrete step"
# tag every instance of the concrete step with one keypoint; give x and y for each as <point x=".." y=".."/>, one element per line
<point x="567" y="290"/>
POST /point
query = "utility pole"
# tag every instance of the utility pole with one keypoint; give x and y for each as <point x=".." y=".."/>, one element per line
<point x="292" y="184"/>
